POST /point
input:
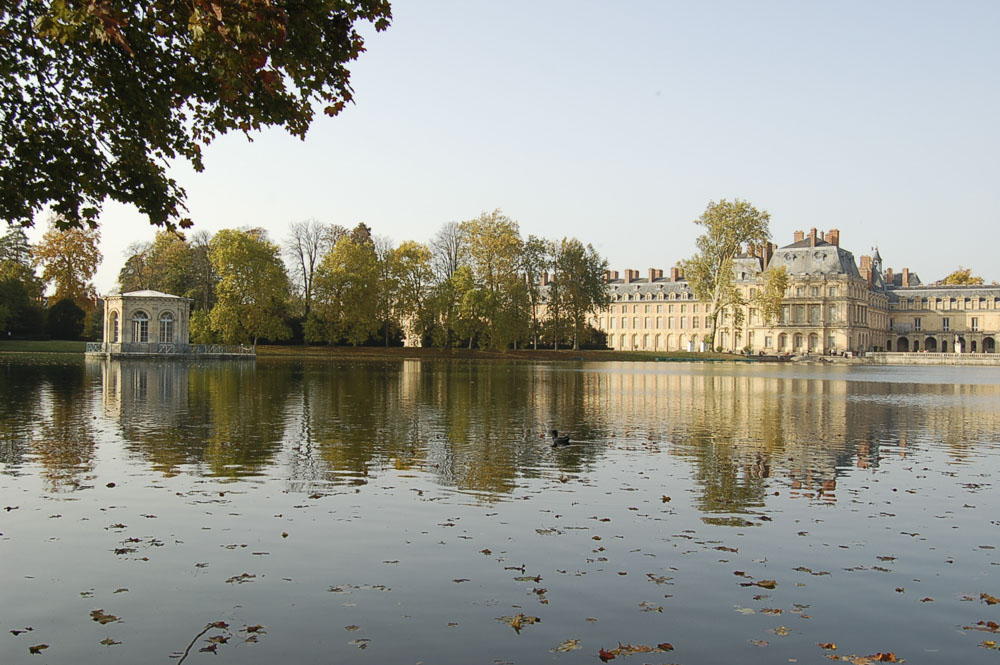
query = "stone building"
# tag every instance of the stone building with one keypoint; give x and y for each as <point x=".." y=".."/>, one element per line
<point x="832" y="305"/>
<point x="146" y="317"/>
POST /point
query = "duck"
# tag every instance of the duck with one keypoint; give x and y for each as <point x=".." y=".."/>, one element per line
<point x="559" y="440"/>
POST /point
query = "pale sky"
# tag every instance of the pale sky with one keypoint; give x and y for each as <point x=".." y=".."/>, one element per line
<point x="617" y="123"/>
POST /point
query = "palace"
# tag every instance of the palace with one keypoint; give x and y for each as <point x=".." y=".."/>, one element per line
<point x="832" y="305"/>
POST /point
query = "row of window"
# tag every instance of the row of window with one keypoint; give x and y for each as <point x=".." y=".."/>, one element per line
<point x="945" y="323"/>
<point x="140" y="327"/>
<point x="786" y="342"/>
<point x="947" y="303"/>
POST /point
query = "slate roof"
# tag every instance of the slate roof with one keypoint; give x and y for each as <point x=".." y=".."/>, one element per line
<point x="802" y="258"/>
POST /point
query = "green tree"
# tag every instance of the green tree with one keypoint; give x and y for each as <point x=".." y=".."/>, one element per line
<point x="729" y="227"/>
<point x="493" y="244"/>
<point x="98" y="97"/>
<point x="961" y="277"/>
<point x="579" y="271"/>
<point x="65" y="320"/>
<point x="536" y="261"/>
<point x="412" y="275"/>
<point x="69" y="260"/>
<point x="307" y="243"/>
<point x="345" y="304"/>
<point x="14" y="246"/>
<point x="135" y="274"/>
<point x="773" y="285"/>
<point x="253" y="287"/>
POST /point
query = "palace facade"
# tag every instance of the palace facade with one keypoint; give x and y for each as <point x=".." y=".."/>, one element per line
<point x="833" y="304"/>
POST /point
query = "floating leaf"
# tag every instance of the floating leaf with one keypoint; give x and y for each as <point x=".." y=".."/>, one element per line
<point x="518" y="621"/>
<point x="107" y="641"/>
<point x="988" y="599"/>
<point x="766" y="584"/>
<point x="827" y="645"/>
<point x="352" y="627"/>
<point x="568" y="645"/>
<point x="101" y="617"/>
<point x="38" y="648"/>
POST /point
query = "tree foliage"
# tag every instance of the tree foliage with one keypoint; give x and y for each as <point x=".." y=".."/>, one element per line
<point x="579" y="272"/>
<point x="346" y="305"/>
<point x="252" y="291"/>
<point x="773" y="284"/>
<point x="962" y="277"/>
<point x="69" y="259"/>
<point x="729" y="227"/>
<point x="65" y="320"/>
<point x="307" y="243"/>
<point x="97" y="97"/>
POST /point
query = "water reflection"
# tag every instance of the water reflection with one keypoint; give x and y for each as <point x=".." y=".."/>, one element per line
<point x="478" y="426"/>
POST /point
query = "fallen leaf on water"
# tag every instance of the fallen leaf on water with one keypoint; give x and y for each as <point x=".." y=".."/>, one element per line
<point x="759" y="643"/>
<point x="255" y="629"/>
<point x="460" y="580"/>
<point x="772" y="610"/>
<point x="241" y="578"/>
<point x="487" y="552"/>
<point x="518" y="621"/>
<point x="605" y="655"/>
<point x="650" y="607"/>
<point x="827" y="645"/>
<point x="988" y="599"/>
<point x="361" y="642"/>
<point x="664" y="498"/>
<point x="37" y="648"/>
<point x="528" y="578"/>
<point x="211" y="648"/>
<point x="782" y="631"/>
<point x="568" y="645"/>
<point x="352" y="627"/>
<point x="926" y="600"/>
<point x="766" y="584"/>
<point x="988" y="626"/>
<point x="888" y="657"/>
<point x="989" y="644"/>
<point x="101" y="617"/>
<point x="107" y="641"/>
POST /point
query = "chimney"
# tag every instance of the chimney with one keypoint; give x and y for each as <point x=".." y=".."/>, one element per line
<point x="866" y="263"/>
<point x="614" y="274"/>
<point x="906" y="276"/>
<point x="628" y="275"/>
<point x="799" y="235"/>
<point x="767" y="254"/>
<point x="675" y="274"/>
<point x="652" y="275"/>
<point x="607" y="276"/>
<point x="833" y="237"/>
<point x="545" y="279"/>
<point x="812" y="237"/>
<point x="888" y="275"/>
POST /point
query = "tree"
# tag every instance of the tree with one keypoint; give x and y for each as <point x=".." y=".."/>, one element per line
<point x="65" y="320"/>
<point x="14" y="246"/>
<point x="961" y="277"/>
<point x="69" y="260"/>
<point x="345" y="303"/>
<point x="448" y="249"/>
<point x="252" y="289"/>
<point x="135" y="274"/>
<point x="729" y="227"/>
<point x="410" y="270"/>
<point x="308" y="241"/>
<point x="774" y="284"/>
<point x="97" y="97"/>
<point x="580" y="272"/>
<point x="536" y="260"/>
<point x="494" y="248"/>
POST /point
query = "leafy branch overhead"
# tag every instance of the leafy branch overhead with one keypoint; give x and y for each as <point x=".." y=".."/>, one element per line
<point x="98" y="97"/>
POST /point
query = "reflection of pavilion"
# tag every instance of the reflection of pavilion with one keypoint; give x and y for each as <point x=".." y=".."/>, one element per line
<point x="136" y="390"/>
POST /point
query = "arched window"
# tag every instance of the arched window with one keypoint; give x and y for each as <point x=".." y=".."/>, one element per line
<point x="167" y="327"/>
<point x="140" y="327"/>
<point x="114" y="327"/>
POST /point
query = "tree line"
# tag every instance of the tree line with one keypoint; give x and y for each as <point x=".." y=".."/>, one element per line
<point x="476" y="284"/>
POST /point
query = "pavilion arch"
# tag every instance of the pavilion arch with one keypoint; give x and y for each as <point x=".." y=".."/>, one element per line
<point x="140" y="326"/>
<point x="114" y="328"/>
<point x="903" y="345"/>
<point x="930" y="345"/>
<point x="989" y="345"/>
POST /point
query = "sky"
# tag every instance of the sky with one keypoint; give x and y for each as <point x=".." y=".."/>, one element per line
<point x="618" y="122"/>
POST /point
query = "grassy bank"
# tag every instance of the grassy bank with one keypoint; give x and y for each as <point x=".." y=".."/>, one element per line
<point x="41" y="346"/>
<point x="377" y="352"/>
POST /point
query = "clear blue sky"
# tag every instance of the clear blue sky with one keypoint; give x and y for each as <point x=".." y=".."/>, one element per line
<point x="617" y="122"/>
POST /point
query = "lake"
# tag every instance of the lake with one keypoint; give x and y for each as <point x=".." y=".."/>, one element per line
<point x="415" y="512"/>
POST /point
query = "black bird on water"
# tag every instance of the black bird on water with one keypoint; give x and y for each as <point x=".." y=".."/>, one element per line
<point x="559" y="440"/>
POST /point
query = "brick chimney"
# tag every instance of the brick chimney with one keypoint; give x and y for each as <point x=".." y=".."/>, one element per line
<point x="675" y="274"/>
<point x="866" y="263"/>
<point x="799" y="235"/>
<point x="906" y="276"/>
<point x="628" y="275"/>
<point x="812" y="237"/>
<point x="768" y="253"/>
<point x="652" y="275"/>
<point x="888" y="275"/>
<point x="833" y="237"/>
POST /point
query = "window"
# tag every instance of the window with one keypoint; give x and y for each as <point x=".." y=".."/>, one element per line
<point x="624" y="323"/>
<point x="114" y="327"/>
<point x="140" y="327"/>
<point x="670" y="309"/>
<point x="683" y="308"/>
<point x="167" y="328"/>
<point x="683" y="322"/>
<point x="647" y="322"/>
<point x="975" y="323"/>
<point x="613" y="321"/>
<point x="767" y="342"/>
<point x="916" y="323"/>
<point x="784" y="313"/>
<point x="815" y="292"/>
<point x="670" y="322"/>
<point x="945" y="323"/>
<point x="646" y="311"/>
<point x="659" y="309"/>
<point x="659" y="322"/>
<point x="635" y="322"/>
<point x="814" y="314"/>
<point x="695" y="320"/>
<point x="831" y="342"/>
<point x="800" y="291"/>
<point x="832" y="292"/>
<point x="831" y="314"/>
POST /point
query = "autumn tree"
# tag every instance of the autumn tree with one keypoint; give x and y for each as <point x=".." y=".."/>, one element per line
<point x="98" y="97"/>
<point x="410" y="266"/>
<point x="493" y="243"/>
<point x="252" y="291"/>
<point x="536" y="261"/>
<point x="448" y="248"/>
<point x="579" y="272"/>
<point x="962" y="277"/>
<point x="345" y="303"/>
<point x="773" y="285"/>
<point x="729" y="228"/>
<point x="14" y="246"/>
<point x="69" y="259"/>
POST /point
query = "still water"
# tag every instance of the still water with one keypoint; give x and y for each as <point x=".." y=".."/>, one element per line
<point x="406" y="512"/>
